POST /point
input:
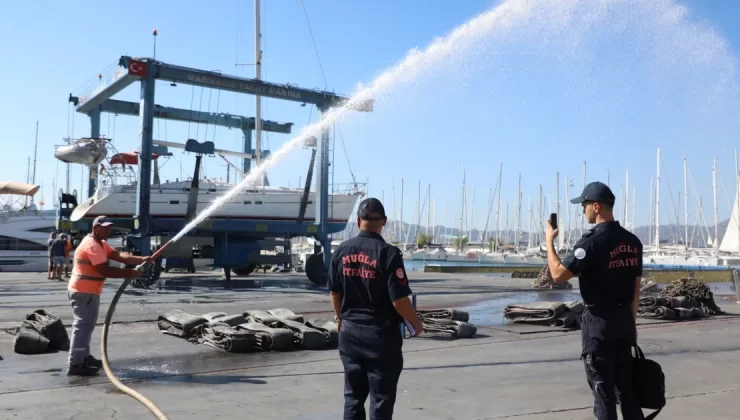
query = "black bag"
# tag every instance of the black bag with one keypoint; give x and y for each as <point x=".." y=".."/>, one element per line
<point x="48" y="326"/>
<point x="649" y="383"/>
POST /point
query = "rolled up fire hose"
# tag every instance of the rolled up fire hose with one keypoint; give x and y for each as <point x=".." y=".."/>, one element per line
<point x="104" y="347"/>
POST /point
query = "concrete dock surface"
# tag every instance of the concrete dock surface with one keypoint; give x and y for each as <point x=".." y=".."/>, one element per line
<point x="503" y="372"/>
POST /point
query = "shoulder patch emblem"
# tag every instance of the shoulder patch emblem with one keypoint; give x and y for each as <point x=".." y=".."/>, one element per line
<point x="580" y="253"/>
<point x="400" y="274"/>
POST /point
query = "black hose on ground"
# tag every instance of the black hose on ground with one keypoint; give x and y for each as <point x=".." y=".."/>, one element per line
<point x="106" y="366"/>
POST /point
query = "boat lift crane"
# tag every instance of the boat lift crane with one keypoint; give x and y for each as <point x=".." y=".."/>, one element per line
<point x="233" y="239"/>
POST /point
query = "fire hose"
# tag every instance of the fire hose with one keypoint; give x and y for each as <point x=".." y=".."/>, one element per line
<point x="104" y="345"/>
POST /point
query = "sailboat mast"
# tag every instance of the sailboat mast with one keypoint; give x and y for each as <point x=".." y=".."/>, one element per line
<point x="657" y="206"/>
<point x="418" y="209"/>
<point x="650" y="215"/>
<point x="737" y="197"/>
<point x="583" y="216"/>
<point x="634" y="193"/>
<point x="401" y="228"/>
<point x="540" y="233"/>
<point x="518" y="215"/>
<point x="715" y="243"/>
<point x="626" y="198"/>
<point x="258" y="99"/>
<point x="498" y="205"/>
<point x="429" y="207"/>
<point x="567" y="212"/>
<point x="470" y="221"/>
<point x="447" y="215"/>
<point x="557" y="200"/>
<point x="434" y="217"/>
<point x="529" y="224"/>
<point x="462" y="211"/>
<point x="685" y="204"/>
<point x="395" y="214"/>
<point x="35" y="152"/>
<point x="507" y="221"/>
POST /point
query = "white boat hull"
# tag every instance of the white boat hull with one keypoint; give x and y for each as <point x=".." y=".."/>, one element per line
<point x="24" y="262"/>
<point x="23" y="240"/>
<point x="272" y="204"/>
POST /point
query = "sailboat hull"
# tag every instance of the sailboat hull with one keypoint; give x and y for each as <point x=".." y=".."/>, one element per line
<point x="170" y="202"/>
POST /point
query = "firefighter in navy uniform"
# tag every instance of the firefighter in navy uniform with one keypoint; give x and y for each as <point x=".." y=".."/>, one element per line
<point x="608" y="263"/>
<point x="370" y="295"/>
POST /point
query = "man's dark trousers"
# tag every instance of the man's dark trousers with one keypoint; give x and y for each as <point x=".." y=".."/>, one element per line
<point x="607" y="339"/>
<point x="372" y="359"/>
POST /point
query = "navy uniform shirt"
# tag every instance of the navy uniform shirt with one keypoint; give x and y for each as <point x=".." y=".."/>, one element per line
<point x="607" y="261"/>
<point x="369" y="274"/>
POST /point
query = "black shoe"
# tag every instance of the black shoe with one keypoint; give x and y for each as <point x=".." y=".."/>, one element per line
<point x="92" y="362"/>
<point x="82" y="370"/>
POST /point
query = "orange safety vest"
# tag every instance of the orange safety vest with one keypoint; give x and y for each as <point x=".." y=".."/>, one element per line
<point x="85" y="278"/>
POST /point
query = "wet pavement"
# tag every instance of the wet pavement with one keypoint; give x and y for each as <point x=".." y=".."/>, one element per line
<point x="490" y="312"/>
<point x="442" y="379"/>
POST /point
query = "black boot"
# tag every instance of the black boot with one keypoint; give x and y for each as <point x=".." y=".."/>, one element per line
<point x="82" y="370"/>
<point x="92" y="362"/>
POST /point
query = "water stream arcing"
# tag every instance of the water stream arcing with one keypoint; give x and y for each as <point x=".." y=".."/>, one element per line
<point x="559" y="24"/>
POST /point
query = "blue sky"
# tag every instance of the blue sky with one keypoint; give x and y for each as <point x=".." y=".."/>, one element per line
<point x="541" y="96"/>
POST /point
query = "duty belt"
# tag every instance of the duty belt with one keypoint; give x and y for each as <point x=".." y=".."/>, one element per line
<point x="607" y="305"/>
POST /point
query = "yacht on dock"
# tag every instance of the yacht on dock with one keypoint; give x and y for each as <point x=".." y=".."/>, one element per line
<point x="24" y="231"/>
<point x="115" y="197"/>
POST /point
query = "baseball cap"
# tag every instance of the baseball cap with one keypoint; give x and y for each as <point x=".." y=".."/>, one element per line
<point x="371" y="209"/>
<point x="102" y="221"/>
<point x="595" y="191"/>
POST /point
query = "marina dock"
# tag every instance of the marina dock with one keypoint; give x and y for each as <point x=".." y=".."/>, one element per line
<point x="503" y="372"/>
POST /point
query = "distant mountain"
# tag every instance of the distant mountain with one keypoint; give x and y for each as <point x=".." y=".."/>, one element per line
<point x="669" y="234"/>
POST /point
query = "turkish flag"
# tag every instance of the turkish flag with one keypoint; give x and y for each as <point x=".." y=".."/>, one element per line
<point x="137" y="68"/>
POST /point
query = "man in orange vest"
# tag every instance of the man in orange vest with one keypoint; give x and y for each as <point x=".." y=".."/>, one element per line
<point x="85" y="287"/>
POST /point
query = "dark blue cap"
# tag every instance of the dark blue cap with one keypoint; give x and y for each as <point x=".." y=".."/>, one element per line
<point x="371" y="209"/>
<point x="595" y="192"/>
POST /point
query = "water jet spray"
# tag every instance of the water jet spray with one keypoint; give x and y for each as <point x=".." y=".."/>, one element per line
<point x="572" y="20"/>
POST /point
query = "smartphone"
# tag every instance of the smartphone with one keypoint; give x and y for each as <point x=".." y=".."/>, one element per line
<point x="412" y="331"/>
<point x="554" y="220"/>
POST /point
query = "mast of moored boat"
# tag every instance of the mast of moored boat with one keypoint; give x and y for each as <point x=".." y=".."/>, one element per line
<point x="685" y="205"/>
<point x="583" y="216"/>
<point x="657" y="207"/>
<point x="557" y="207"/>
<point x="715" y="242"/>
<point x="634" y="192"/>
<point x="737" y="199"/>
<point x="518" y="214"/>
<point x="567" y="213"/>
<point x="470" y="220"/>
<point x="258" y="99"/>
<point x="429" y="207"/>
<point x="626" y="199"/>
<point x="498" y="206"/>
<point x="35" y="152"/>
<point x="541" y="217"/>
<point x="650" y="215"/>
<point x="400" y="236"/>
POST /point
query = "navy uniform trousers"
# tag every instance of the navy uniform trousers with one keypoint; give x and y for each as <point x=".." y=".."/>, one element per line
<point x="607" y="340"/>
<point x="373" y="361"/>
